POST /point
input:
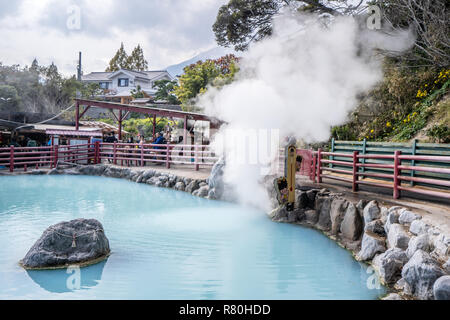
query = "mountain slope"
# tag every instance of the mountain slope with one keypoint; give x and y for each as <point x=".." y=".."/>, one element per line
<point x="177" y="69"/>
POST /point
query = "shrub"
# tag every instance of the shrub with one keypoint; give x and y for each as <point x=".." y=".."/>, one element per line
<point x="439" y="133"/>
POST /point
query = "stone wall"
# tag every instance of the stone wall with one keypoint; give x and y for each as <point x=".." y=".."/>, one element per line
<point x="410" y="256"/>
<point x="197" y="187"/>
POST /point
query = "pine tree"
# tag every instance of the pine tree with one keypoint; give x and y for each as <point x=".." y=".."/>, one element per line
<point x="119" y="61"/>
<point x="136" y="61"/>
<point x="35" y="68"/>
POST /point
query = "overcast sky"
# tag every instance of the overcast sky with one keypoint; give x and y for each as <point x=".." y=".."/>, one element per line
<point x="170" y="31"/>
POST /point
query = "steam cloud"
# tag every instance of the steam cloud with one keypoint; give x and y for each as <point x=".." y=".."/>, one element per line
<point x="301" y="81"/>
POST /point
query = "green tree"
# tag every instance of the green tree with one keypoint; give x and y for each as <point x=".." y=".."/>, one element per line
<point x="119" y="61"/>
<point x="136" y="61"/>
<point x="240" y="22"/>
<point x="198" y="76"/>
<point x="137" y="93"/>
<point x="166" y="91"/>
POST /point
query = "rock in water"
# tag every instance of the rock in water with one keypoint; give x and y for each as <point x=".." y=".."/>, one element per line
<point x="79" y="242"/>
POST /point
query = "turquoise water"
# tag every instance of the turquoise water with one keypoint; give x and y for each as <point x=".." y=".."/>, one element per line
<point x="169" y="245"/>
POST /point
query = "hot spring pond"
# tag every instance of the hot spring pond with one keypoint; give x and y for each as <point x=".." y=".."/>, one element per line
<point x="169" y="245"/>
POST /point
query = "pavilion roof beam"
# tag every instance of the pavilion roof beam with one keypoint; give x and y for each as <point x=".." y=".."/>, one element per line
<point x="147" y="110"/>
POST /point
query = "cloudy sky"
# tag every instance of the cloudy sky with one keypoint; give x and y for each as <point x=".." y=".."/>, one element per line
<point x="170" y="31"/>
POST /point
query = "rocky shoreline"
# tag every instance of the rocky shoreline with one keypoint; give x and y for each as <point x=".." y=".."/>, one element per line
<point x="410" y="256"/>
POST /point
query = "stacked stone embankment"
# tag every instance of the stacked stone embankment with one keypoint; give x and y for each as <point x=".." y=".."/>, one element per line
<point x="410" y="256"/>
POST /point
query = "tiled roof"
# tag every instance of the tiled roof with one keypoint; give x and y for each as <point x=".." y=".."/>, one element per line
<point x="96" y="76"/>
<point x="104" y="76"/>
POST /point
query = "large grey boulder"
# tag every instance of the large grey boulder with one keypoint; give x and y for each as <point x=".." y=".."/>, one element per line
<point x="215" y="180"/>
<point x="418" y="243"/>
<point x="92" y="170"/>
<point x="311" y="216"/>
<point x="441" y="244"/>
<point x="323" y="207"/>
<point x="398" y="237"/>
<point x="337" y="212"/>
<point x="406" y="217"/>
<point x="352" y="225"/>
<point x="446" y="266"/>
<point x="371" y="212"/>
<point x="80" y="241"/>
<point x="393" y="296"/>
<point x="375" y="226"/>
<point x="201" y="192"/>
<point x="302" y="199"/>
<point x="371" y="245"/>
<point x="420" y="273"/>
<point x="179" y="186"/>
<point x="389" y="265"/>
<point x="147" y="175"/>
<point x="392" y="217"/>
<point x="311" y="194"/>
<point x="418" y="227"/>
<point x="441" y="288"/>
<point x="192" y="186"/>
<point x="279" y="214"/>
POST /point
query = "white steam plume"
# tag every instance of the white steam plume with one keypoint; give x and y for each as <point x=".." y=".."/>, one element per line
<point x="302" y="81"/>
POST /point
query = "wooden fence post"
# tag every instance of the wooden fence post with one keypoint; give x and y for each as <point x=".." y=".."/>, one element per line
<point x="413" y="162"/>
<point x="355" y="171"/>
<point x="97" y="152"/>
<point x="196" y="158"/>
<point x="114" y="153"/>
<point x="11" y="159"/>
<point x="332" y="150"/>
<point x="312" y="168"/>
<point x="364" y="147"/>
<point x="396" y="194"/>
<point x="319" y="165"/>
<point x="167" y="156"/>
<point x="55" y="156"/>
<point x="142" y="155"/>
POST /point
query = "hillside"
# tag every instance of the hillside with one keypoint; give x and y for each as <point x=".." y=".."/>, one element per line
<point x="410" y="103"/>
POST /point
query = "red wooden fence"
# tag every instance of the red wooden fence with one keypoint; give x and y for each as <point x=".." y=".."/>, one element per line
<point x="436" y="187"/>
<point x="117" y="153"/>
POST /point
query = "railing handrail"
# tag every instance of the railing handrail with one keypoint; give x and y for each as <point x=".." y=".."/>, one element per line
<point x="360" y="168"/>
<point x="95" y="152"/>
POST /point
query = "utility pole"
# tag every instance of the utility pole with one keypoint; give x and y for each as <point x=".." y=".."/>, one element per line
<point x="79" y="67"/>
<point x="78" y="93"/>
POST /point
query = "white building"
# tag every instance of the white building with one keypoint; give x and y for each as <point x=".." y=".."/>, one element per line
<point x="118" y="85"/>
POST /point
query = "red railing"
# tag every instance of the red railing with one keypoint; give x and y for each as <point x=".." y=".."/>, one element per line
<point x="139" y="155"/>
<point x="49" y="156"/>
<point x="117" y="153"/>
<point x="352" y="171"/>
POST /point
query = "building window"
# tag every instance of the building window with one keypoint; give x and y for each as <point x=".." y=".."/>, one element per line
<point x="123" y="82"/>
<point x="104" y="85"/>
